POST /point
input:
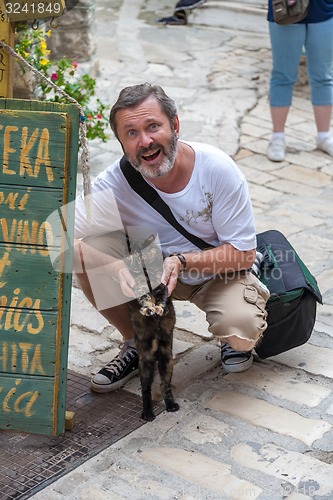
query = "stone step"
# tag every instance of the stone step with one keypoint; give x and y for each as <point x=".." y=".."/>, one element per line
<point x="245" y="16"/>
<point x="266" y="415"/>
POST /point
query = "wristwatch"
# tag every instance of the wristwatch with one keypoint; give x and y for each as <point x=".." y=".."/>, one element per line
<point x="182" y="260"/>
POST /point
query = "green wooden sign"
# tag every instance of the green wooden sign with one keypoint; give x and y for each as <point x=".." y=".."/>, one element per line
<point x="38" y="149"/>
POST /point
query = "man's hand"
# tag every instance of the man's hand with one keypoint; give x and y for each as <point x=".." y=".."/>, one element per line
<point x="91" y="260"/>
<point x="122" y="274"/>
<point x="171" y="268"/>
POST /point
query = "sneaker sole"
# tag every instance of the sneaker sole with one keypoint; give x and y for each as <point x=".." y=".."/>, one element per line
<point x="276" y="151"/>
<point x="325" y="150"/>
<point x="190" y="7"/>
<point x="239" y="367"/>
<point x="275" y="159"/>
<point x="102" y="388"/>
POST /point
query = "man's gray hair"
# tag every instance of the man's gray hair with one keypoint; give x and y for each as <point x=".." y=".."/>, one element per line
<point x="132" y="96"/>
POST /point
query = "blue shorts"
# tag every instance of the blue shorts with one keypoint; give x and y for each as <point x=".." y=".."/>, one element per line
<point x="287" y="44"/>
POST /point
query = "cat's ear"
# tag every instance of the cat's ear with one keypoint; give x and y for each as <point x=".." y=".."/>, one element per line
<point x="150" y="239"/>
<point x="145" y="243"/>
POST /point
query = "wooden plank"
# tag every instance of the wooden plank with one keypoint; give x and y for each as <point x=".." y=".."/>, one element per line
<point x="26" y="403"/>
<point x="28" y="270"/>
<point x="64" y="318"/>
<point x="70" y="420"/>
<point x="28" y="342"/>
<point x="24" y="213"/>
<point x="6" y="61"/>
<point x="35" y="202"/>
<point x="33" y="148"/>
<point x="72" y="145"/>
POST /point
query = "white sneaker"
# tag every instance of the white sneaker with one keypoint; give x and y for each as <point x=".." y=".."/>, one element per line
<point x="276" y="150"/>
<point x="326" y="145"/>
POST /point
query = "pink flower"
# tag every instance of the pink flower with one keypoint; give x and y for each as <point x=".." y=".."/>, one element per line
<point x="54" y="76"/>
<point x="75" y="64"/>
<point x="99" y="117"/>
<point x="89" y="117"/>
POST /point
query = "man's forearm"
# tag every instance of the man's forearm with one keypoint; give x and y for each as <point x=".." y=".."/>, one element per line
<point x="87" y="257"/>
<point x="220" y="260"/>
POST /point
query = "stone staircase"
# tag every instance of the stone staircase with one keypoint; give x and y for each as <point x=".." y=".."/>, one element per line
<point x="224" y="14"/>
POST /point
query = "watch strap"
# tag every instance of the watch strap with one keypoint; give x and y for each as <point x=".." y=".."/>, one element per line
<point x="182" y="259"/>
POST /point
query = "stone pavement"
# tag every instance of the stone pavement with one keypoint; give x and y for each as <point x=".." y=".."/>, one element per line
<point x="266" y="433"/>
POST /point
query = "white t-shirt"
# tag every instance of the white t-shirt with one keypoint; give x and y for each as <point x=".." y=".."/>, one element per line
<point x="215" y="206"/>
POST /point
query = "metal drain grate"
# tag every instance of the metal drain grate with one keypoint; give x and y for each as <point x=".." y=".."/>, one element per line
<point x="29" y="462"/>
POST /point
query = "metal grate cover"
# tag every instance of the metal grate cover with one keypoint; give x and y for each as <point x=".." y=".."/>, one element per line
<point x="30" y="462"/>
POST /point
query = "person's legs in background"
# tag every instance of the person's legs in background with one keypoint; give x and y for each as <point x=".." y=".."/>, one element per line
<point x="188" y="4"/>
<point x="286" y="43"/>
<point x="319" y="50"/>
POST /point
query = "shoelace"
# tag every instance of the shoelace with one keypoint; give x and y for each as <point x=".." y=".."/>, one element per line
<point x="227" y="350"/>
<point x="118" y="363"/>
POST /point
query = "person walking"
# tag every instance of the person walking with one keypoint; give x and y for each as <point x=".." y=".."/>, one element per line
<point x="314" y="33"/>
<point x="208" y="195"/>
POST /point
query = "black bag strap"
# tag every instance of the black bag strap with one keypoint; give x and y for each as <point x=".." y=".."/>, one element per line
<point x="150" y="195"/>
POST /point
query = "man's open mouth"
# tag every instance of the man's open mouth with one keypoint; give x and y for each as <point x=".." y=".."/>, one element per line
<point x="151" y="157"/>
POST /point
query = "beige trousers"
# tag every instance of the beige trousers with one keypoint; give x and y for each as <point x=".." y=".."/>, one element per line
<point x="234" y="305"/>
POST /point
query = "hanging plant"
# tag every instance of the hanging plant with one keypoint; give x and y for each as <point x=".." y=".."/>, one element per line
<point x="32" y="46"/>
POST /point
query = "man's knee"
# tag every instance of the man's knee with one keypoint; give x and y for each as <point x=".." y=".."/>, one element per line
<point x="242" y="332"/>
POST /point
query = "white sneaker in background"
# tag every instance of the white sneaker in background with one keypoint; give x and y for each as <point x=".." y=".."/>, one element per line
<point x="326" y="145"/>
<point x="276" y="149"/>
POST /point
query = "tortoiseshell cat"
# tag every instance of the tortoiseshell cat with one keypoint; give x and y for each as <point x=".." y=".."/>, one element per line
<point x="153" y="319"/>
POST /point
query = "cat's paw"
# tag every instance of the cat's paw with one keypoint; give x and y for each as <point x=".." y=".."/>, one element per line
<point x="147" y="311"/>
<point x="172" y="407"/>
<point x="148" y="416"/>
<point x="160" y="310"/>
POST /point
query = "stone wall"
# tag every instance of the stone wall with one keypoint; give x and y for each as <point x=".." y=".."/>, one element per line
<point x="74" y="37"/>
